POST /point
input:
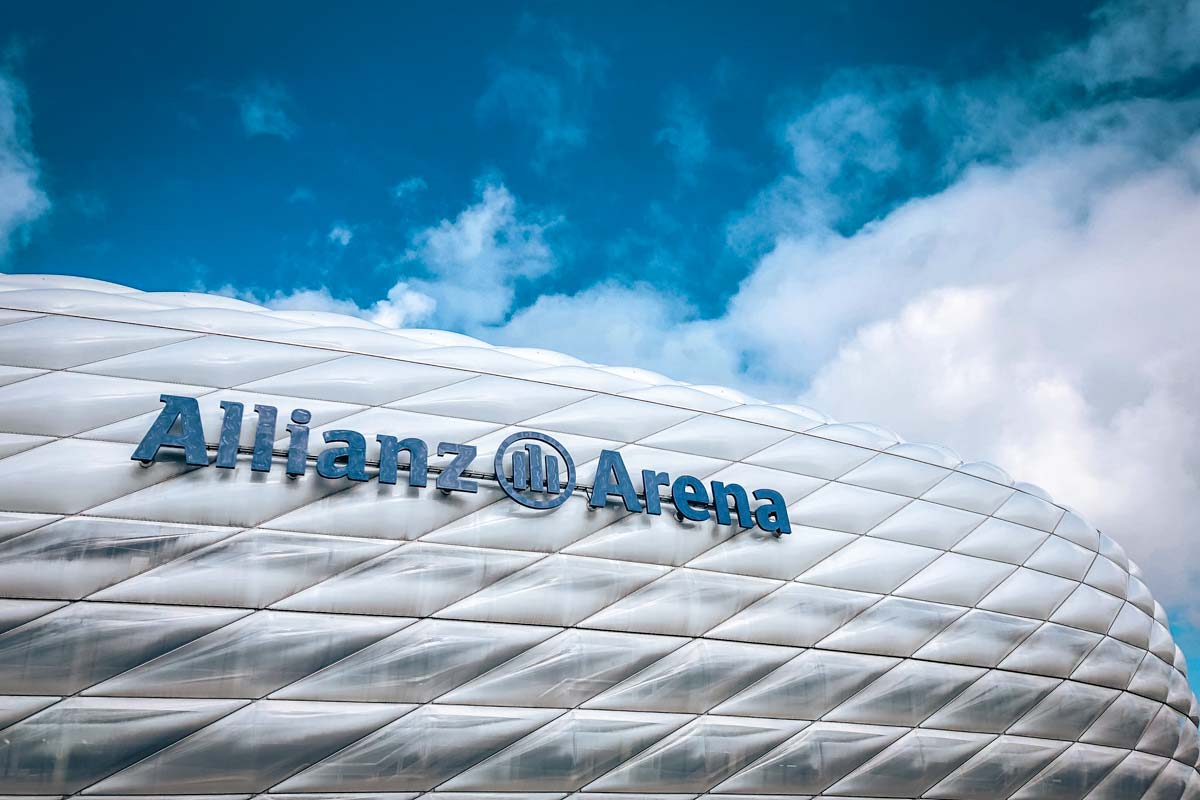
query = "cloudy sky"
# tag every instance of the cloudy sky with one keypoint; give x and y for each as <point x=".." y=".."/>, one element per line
<point x="975" y="224"/>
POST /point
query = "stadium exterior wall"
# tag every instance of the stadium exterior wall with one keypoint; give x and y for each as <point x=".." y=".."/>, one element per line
<point x="927" y="628"/>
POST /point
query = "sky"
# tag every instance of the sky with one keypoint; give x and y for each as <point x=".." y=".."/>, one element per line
<point x="973" y="224"/>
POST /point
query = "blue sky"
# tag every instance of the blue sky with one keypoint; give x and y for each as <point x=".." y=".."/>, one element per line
<point x="975" y="224"/>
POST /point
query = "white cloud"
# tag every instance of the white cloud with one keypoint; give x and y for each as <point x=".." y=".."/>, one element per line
<point x="408" y="187"/>
<point x="340" y="234"/>
<point x="263" y="108"/>
<point x="474" y="261"/>
<point x="22" y="199"/>
<point x="402" y="307"/>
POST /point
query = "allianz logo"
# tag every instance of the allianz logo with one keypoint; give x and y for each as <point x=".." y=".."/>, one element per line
<point x="540" y="472"/>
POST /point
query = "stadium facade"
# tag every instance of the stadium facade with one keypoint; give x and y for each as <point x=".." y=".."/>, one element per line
<point x="253" y="553"/>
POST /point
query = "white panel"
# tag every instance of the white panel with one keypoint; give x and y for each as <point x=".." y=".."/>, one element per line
<point x="845" y="508"/>
<point x="363" y="380"/>
<point x="61" y="342"/>
<point x="716" y="437"/>
<point x="220" y="361"/>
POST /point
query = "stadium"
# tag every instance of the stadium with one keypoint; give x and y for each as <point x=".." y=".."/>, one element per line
<point x="195" y="601"/>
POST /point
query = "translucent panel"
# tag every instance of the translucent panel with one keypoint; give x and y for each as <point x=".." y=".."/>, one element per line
<point x="988" y="471"/>
<point x="507" y="525"/>
<point x="414" y="580"/>
<point x="1002" y="767"/>
<point x="1152" y="679"/>
<point x="845" y="508"/>
<point x="870" y="565"/>
<point x="1074" y="528"/>
<point x="796" y="614"/>
<point x="1171" y="782"/>
<point x="558" y="590"/>
<point x="860" y="433"/>
<point x="84" y="643"/>
<point x="811" y="455"/>
<point x="385" y="512"/>
<point x="685" y="601"/>
<point x="18" y="612"/>
<point x="772" y="415"/>
<point x="907" y="694"/>
<point x="1060" y="557"/>
<point x="1188" y="751"/>
<point x="566" y="670"/>
<point x="816" y="757"/>
<point x="13" y="443"/>
<point x="1107" y="576"/>
<point x="14" y="708"/>
<point x="1161" y="643"/>
<point x="252" y="569"/>
<point x="237" y="497"/>
<point x="753" y="552"/>
<point x="340" y="337"/>
<point x="1131" y="778"/>
<point x="419" y="663"/>
<point x="683" y="397"/>
<point x="569" y="752"/>
<point x="61" y="342"/>
<point x="992" y="703"/>
<point x="421" y="750"/>
<point x="1137" y="593"/>
<point x="1052" y="650"/>
<point x="481" y="359"/>
<point x="890" y="473"/>
<point x="1025" y="509"/>
<point x="607" y="417"/>
<point x="82" y="739"/>
<point x="1132" y="626"/>
<point x="1122" y="723"/>
<point x="1001" y="541"/>
<point x="1029" y="593"/>
<point x="78" y="556"/>
<point x="912" y="765"/>
<point x="75" y="301"/>
<point x="1114" y="552"/>
<point x="253" y="656"/>
<point x="35" y="481"/>
<point x="219" y="361"/>
<point x="958" y="579"/>
<point x="1111" y="664"/>
<point x="1089" y="609"/>
<point x="1163" y="735"/>
<point x="1179" y="693"/>
<point x="66" y="403"/>
<point x="254" y="748"/>
<point x="1066" y="712"/>
<point x="698" y="756"/>
<point x="808" y="686"/>
<point x="893" y="627"/>
<point x="359" y="379"/>
<point x="13" y="374"/>
<point x="658" y="539"/>
<point x="694" y="678"/>
<point x="927" y="524"/>
<point x="492" y="399"/>
<point x="968" y="493"/>
<point x="716" y="437"/>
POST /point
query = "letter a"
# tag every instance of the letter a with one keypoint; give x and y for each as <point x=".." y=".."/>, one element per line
<point x="613" y="478"/>
<point x="191" y="437"/>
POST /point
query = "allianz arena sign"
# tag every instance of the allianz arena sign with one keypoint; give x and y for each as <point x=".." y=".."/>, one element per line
<point x="534" y="480"/>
